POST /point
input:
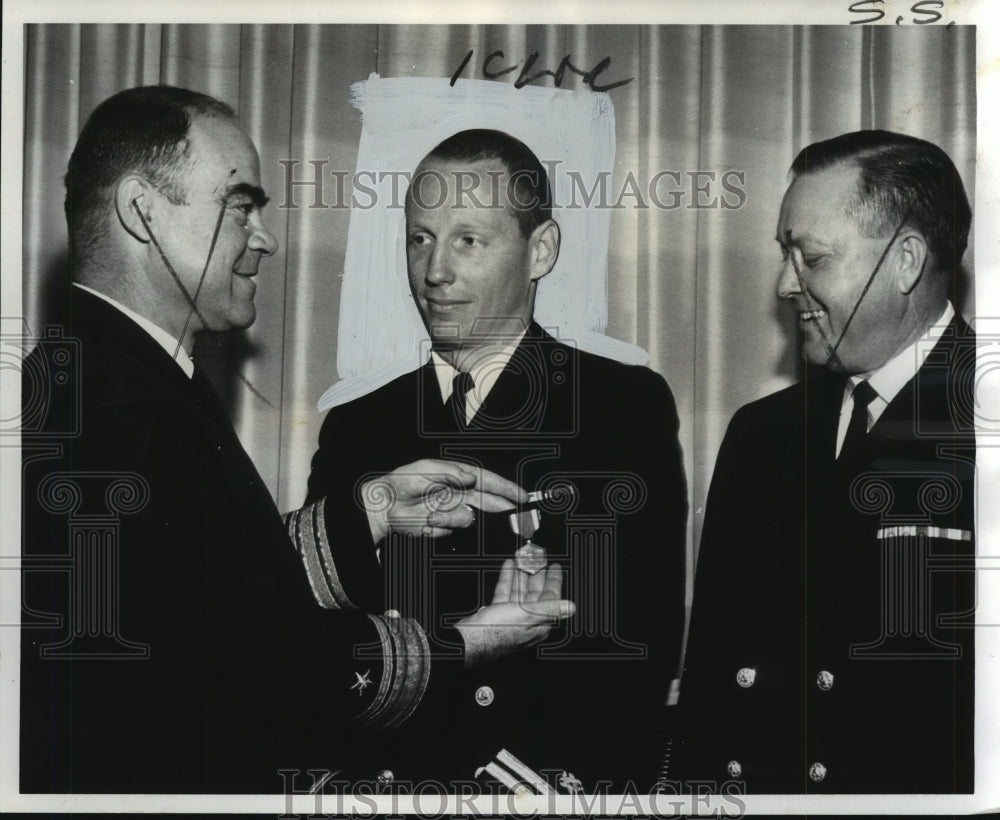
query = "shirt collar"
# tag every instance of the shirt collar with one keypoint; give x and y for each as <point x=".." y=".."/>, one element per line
<point x="484" y="372"/>
<point x="160" y="336"/>
<point x="891" y="377"/>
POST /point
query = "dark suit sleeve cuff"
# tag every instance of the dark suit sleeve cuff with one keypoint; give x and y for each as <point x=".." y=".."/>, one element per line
<point x="406" y="671"/>
<point x="342" y="569"/>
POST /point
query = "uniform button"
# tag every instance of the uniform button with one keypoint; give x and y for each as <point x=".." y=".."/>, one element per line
<point x="817" y="773"/>
<point x="734" y="768"/>
<point x="484" y="696"/>
<point x="746" y="676"/>
<point x="385" y="777"/>
<point x="824" y="680"/>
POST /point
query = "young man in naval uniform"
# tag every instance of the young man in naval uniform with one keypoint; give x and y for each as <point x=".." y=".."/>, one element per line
<point x="595" y="438"/>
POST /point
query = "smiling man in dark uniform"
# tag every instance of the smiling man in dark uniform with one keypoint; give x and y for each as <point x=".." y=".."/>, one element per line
<point x="597" y="439"/>
<point x="170" y="642"/>
<point x="831" y="645"/>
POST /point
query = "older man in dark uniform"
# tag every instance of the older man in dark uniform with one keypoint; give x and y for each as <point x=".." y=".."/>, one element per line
<point x="597" y="440"/>
<point x="170" y="642"/>
<point x="831" y="645"/>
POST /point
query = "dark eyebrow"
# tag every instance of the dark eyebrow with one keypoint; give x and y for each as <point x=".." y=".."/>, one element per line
<point x="254" y="192"/>
<point x="788" y="239"/>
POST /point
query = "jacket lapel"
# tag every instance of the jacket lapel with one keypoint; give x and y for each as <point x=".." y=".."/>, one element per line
<point x="106" y="321"/>
<point x="519" y="397"/>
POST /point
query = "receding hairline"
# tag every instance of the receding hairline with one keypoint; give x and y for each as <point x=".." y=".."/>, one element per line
<point x="841" y="168"/>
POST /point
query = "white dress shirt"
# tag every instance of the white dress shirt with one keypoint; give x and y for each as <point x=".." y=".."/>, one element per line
<point x="891" y="377"/>
<point x="485" y="372"/>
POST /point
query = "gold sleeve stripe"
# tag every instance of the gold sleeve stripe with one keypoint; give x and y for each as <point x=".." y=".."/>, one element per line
<point x="406" y="670"/>
<point x="306" y="550"/>
<point x="307" y="529"/>
<point x="388" y="671"/>
<point x="419" y="671"/>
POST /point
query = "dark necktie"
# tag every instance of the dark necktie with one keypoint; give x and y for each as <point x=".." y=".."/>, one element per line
<point x="460" y="385"/>
<point x="857" y="428"/>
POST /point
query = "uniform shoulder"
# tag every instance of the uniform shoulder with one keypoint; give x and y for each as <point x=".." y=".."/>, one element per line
<point x="793" y="394"/>
<point x="379" y="397"/>
<point x="778" y="409"/>
<point x="612" y="371"/>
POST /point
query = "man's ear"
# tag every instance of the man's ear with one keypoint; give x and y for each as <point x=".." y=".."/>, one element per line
<point x="910" y="260"/>
<point x="133" y="197"/>
<point x="544" y="249"/>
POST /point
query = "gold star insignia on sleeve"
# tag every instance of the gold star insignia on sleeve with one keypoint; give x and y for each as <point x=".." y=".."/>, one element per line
<point x="363" y="682"/>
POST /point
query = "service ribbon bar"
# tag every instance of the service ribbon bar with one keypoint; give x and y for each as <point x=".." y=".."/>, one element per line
<point x="903" y="530"/>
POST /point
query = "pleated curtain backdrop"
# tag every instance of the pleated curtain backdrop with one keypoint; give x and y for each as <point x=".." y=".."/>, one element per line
<point x="694" y="286"/>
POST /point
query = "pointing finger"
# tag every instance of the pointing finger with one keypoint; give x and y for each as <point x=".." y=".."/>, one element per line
<point x="488" y="502"/>
<point x="494" y="484"/>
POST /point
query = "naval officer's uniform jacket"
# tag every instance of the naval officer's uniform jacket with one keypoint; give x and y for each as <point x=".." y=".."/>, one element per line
<point x="587" y="705"/>
<point x="831" y="646"/>
<point x="169" y="640"/>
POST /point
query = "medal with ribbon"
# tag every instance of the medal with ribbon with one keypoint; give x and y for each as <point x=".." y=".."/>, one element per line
<point x="531" y="557"/>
